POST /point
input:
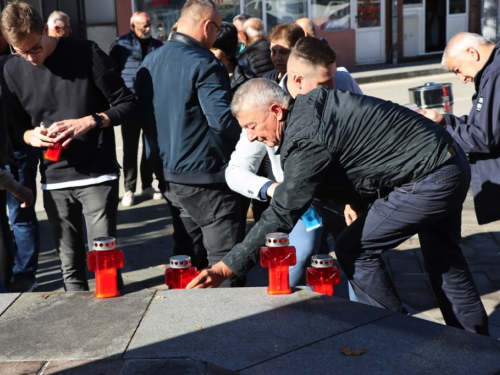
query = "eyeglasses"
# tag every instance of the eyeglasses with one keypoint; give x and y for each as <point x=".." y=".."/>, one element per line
<point x="34" y="51"/>
<point x="216" y="26"/>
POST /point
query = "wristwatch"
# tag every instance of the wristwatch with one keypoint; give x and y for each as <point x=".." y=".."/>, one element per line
<point x="98" y="119"/>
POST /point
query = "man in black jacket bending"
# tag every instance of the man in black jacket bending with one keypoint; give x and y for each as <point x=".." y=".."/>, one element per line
<point x="70" y="85"/>
<point x="397" y="172"/>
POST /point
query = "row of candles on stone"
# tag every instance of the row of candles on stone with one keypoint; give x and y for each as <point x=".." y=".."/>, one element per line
<point x="278" y="255"/>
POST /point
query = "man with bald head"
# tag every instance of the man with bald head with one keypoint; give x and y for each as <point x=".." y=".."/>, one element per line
<point x="58" y="24"/>
<point x="477" y="60"/>
<point x="256" y="55"/>
<point x="185" y="95"/>
<point x="307" y="25"/>
<point x="128" y="51"/>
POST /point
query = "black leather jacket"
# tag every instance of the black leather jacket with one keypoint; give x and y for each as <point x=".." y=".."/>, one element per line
<point x="257" y="57"/>
<point x="342" y="147"/>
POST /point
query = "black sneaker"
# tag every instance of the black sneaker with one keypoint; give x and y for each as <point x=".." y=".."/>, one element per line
<point x="20" y="284"/>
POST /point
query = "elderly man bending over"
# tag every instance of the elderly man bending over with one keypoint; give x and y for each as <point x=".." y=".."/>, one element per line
<point x="397" y="172"/>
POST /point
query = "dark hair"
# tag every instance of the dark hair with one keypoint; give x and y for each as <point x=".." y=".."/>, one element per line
<point x="227" y="39"/>
<point x="290" y="32"/>
<point x="315" y="51"/>
<point x="18" y="20"/>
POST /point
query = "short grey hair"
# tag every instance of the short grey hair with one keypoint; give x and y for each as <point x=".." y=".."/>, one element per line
<point x="55" y="16"/>
<point x="459" y="43"/>
<point x="253" y="32"/>
<point x="258" y="95"/>
<point x="241" y="17"/>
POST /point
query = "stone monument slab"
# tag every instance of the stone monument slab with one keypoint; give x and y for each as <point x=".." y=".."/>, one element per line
<point x="240" y="327"/>
<point x="70" y="325"/>
<point x="6" y="299"/>
<point x="395" y="345"/>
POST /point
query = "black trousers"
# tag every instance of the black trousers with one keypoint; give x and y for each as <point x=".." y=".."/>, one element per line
<point x="207" y="223"/>
<point x="131" y="133"/>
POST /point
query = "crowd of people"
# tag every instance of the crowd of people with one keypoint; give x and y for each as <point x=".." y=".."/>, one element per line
<point x="232" y="118"/>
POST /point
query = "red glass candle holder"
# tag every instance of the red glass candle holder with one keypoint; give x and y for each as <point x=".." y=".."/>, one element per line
<point x="104" y="260"/>
<point x="323" y="275"/>
<point x="180" y="273"/>
<point x="53" y="153"/>
<point x="278" y="256"/>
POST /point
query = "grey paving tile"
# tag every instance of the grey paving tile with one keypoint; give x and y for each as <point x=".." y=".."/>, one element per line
<point x="394" y="345"/>
<point x="163" y="366"/>
<point x="71" y="325"/>
<point x="405" y="265"/>
<point x="235" y="328"/>
<point x="21" y="368"/>
<point x="482" y="282"/>
<point x="85" y="367"/>
<point x="6" y="299"/>
<point x="416" y="293"/>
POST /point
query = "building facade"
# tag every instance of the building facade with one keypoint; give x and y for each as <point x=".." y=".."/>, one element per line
<point x="361" y="32"/>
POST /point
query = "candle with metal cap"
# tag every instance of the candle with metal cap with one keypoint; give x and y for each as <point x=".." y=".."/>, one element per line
<point x="180" y="273"/>
<point x="104" y="260"/>
<point x="278" y="256"/>
<point x="323" y="275"/>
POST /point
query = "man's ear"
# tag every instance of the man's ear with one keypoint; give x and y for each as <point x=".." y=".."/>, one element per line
<point x="46" y="29"/>
<point x="277" y="111"/>
<point x="473" y="53"/>
<point x="297" y="80"/>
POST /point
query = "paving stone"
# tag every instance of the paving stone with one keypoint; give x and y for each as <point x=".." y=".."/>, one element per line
<point x="21" y="368"/>
<point x="394" y="345"/>
<point x="71" y="325"/>
<point x="164" y="366"/>
<point x="85" y="367"/>
<point x="417" y="294"/>
<point x="410" y="276"/>
<point x="7" y="299"/>
<point x="483" y="244"/>
<point x="405" y="265"/>
<point x="482" y="282"/>
<point x="235" y="328"/>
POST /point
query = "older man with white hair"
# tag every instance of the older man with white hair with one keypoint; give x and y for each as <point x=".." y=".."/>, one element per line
<point x="477" y="60"/>
<point x="128" y="51"/>
<point x="256" y="55"/>
<point x="58" y="24"/>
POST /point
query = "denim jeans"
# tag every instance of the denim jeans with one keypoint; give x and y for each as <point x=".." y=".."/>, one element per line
<point x="131" y="134"/>
<point x="23" y="220"/>
<point x="6" y="252"/>
<point x="207" y="223"/>
<point x="64" y="207"/>
<point x="432" y="208"/>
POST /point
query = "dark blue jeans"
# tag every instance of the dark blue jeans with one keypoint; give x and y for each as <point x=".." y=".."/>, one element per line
<point x="432" y="208"/>
<point x="23" y="220"/>
<point x="131" y="134"/>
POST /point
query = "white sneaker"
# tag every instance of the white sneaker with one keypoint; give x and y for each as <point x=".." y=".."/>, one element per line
<point x="128" y="199"/>
<point x="152" y="193"/>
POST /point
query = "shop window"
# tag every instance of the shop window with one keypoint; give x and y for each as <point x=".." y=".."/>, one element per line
<point x="165" y="13"/>
<point x="278" y="11"/>
<point x="331" y="15"/>
<point x="253" y="8"/>
<point x="457" y="6"/>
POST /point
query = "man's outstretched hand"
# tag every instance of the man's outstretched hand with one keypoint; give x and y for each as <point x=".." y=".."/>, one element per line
<point x="211" y="277"/>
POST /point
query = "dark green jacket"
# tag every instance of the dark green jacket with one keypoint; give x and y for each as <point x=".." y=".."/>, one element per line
<point x="343" y="147"/>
